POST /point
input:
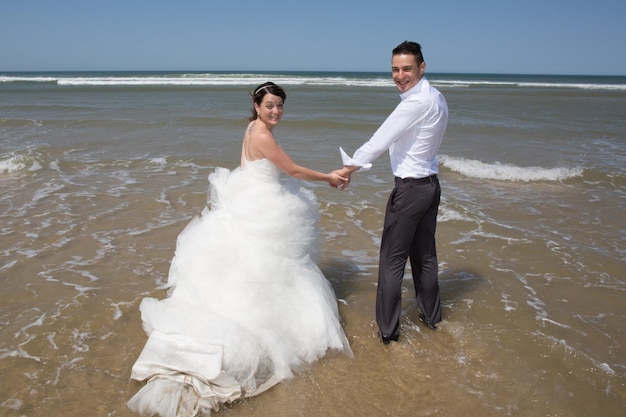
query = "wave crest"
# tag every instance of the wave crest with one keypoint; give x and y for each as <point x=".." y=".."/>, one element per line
<point x="12" y="164"/>
<point x="147" y="80"/>
<point x="507" y="172"/>
<point x="151" y="79"/>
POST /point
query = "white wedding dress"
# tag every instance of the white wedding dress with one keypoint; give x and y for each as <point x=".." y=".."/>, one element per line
<point x="248" y="304"/>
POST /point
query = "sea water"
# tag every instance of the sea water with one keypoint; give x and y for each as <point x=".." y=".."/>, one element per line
<point x="100" y="172"/>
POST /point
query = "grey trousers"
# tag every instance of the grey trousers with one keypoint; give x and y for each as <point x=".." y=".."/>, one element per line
<point x="409" y="232"/>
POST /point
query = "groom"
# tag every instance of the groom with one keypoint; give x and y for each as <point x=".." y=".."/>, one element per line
<point x="412" y="133"/>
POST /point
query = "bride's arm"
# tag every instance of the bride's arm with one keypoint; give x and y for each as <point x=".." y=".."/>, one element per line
<point x="268" y="146"/>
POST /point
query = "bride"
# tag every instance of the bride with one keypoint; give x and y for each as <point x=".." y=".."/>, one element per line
<point x="248" y="306"/>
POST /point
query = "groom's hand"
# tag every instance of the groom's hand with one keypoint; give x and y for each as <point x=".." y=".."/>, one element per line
<point x="344" y="173"/>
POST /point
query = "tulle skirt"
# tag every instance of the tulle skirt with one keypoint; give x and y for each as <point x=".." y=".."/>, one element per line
<point x="248" y="305"/>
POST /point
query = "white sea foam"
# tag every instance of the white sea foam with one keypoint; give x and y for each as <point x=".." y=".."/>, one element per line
<point x="80" y="341"/>
<point x="50" y="338"/>
<point x="49" y="189"/>
<point x="360" y="257"/>
<point x="509" y="305"/>
<point x="159" y="161"/>
<point x="224" y="79"/>
<point x="12" y="79"/>
<point x="19" y="353"/>
<point x="36" y="166"/>
<point x="460" y="83"/>
<point x="117" y="310"/>
<point x="38" y="322"/>
<point x="12" y="403"/>
<point x="556" y="343"/>
<point x="448" y="214"/>
<point x="12" y="164"/>
<point x="507" y="172"/>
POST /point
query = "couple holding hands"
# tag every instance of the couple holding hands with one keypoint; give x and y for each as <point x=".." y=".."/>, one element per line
<point x="248" y="304"/>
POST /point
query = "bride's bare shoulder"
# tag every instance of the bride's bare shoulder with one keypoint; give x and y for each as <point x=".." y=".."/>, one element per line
<point x="257" y="142"/>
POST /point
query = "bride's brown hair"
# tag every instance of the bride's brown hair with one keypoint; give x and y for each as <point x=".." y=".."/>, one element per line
<point x="261" y="90"/>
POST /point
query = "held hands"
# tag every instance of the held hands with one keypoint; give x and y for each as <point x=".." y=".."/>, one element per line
<point x="335" y="180"/>
<point x="339" y="178"/>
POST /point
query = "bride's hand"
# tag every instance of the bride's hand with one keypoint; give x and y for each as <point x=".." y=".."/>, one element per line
<point x="337" y="180"/>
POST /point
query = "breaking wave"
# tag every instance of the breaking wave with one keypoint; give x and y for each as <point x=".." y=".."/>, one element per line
<point x="507" y="172"/>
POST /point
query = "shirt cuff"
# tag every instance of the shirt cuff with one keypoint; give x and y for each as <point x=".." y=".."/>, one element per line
<point x="349" y="162"/>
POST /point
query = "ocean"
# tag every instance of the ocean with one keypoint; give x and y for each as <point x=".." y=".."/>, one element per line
<point x="101" y="171"/>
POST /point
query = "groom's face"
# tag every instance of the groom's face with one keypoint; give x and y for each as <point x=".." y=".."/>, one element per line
<point x="406" y="72"/>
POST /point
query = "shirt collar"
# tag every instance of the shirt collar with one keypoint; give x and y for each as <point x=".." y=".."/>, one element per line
<point x="416" y="88"/>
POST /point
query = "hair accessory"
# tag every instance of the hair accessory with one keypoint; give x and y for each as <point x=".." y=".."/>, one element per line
<point x="261" y="88"/>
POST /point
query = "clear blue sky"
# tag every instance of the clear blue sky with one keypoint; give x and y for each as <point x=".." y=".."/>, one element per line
<point x="534" y="37"/>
